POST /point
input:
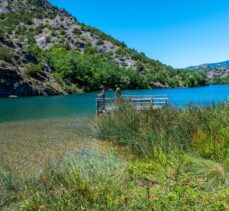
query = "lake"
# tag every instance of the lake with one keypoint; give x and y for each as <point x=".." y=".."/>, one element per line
<point x="37" y="131"/>
<point x="82" y="105"/>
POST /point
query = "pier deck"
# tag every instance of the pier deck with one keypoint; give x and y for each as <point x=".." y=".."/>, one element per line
<point x="104" y="105"/>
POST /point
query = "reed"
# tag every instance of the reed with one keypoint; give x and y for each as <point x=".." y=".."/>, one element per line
<point x="193" y="129"/>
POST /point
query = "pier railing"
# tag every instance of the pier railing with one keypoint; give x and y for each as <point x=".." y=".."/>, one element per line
<point x="104" y="105"/>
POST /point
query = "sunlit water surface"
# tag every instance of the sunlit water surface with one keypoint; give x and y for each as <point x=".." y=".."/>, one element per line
<point x="36" y="131"/>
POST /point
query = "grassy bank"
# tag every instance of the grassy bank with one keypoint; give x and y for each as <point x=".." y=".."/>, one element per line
<point x="172" y="159"/>
<point x="203" y="131"/>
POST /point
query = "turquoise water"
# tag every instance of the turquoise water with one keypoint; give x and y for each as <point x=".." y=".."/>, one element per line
<point x="81" y="105"/>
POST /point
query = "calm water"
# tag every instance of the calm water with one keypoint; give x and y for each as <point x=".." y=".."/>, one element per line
<point x="81" y="105"/>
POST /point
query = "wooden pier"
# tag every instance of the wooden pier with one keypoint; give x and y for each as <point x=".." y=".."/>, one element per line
<point x="104" y="105"/>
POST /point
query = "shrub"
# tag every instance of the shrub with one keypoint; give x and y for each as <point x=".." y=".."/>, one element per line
<point x="6" y="54"/>
<point x="53" y="33"/>
<point x="124" y="64"/>
<point x="99" y="42"/>
<point x="39" y="16"/>
<point x="35" y="71"/>
<point x="2" y="35"/>
<point x="20" y="30"/>
<point x="77" y="31"/>
<point x="31" y="39"/>
<point x="2" y="82"/>
<point x="37" y="3"/>
<point x="48" y="39"/>
<point x="40" y="28"/>
<point x="27" y="18"/>
<point x="62" y="32"/>
<point x="34" y="50"/>
<point x="67" y="45"/>
<point x="2" y="63"/>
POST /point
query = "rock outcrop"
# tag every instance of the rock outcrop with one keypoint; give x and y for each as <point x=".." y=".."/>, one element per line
<point x="11" y="83"/>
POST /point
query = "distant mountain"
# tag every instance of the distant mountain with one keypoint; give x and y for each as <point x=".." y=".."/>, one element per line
<point x="216" y="72"/>
<point x="207" y="66"/>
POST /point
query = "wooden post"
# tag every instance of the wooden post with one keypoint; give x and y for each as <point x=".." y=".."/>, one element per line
<point x="166" y="102"/>
<point x="97" y="111"/>
<point x="151" y="102"/>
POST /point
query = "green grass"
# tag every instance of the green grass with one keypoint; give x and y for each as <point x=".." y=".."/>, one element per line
<point x="199" y="130"/>
<point x="169" y="159"/>
<point x="103" y="181"/>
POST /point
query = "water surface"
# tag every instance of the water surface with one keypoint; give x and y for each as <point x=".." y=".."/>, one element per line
<point x="37" y="131"/>
<point x="81" y="105"/>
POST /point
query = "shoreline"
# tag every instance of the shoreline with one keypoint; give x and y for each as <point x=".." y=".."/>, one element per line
<point x="108" y="90"/>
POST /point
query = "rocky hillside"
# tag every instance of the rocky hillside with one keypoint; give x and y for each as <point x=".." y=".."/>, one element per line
<point x="205" y="67"/>
<point x="46" y="51"/>
<point x="216" y="72"/>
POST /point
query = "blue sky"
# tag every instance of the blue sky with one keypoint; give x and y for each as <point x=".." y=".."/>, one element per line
<point x="177" y="32"/>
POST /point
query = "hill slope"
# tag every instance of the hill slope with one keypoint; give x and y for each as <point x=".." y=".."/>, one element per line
<point x="224" y="64"/>
<point x="46" y="51"/>
<point x="216" y="72"/>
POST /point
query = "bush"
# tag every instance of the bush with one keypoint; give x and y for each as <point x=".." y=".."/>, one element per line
<point x="3" y="63"/>
<point x="62" y="32"/>
<point x="53" y="33"/>
<point x="35" y="51"/>
<point x="48" y="39"/>
<point x="99" y="42"/>
<point x="77" y="31"/>
<point x="40" y="28"/>
<point x="2" y="35"/>
<point x="20" y="30"/>
<point x="35" y="71"/>
<point x="6" y="54"/>
<point x="39" y="16"/>
<point x="27" y="18"/>
<point x="2" y="82"/>
<point x="31" y="39"/>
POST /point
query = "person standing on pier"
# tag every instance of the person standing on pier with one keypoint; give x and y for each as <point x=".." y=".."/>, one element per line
<point x="102" y="92"/>
<point x="102" y="97"/>
<point x="118" y="92"/>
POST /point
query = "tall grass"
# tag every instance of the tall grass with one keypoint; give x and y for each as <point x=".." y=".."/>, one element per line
<point x="196" y="129"/>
